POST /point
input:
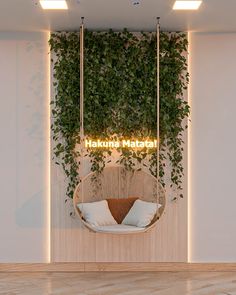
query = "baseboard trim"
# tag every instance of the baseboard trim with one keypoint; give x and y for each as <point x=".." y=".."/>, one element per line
<point x="91" y="267"/>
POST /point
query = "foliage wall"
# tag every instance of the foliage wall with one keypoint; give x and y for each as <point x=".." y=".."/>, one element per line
<point x="120" y="99"/>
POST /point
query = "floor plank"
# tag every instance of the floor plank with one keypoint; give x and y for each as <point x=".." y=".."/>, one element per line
<point x="117" y="283"/>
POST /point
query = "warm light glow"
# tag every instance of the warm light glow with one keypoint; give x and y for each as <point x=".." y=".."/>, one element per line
<point x="49" y="155"/>
<point x="189" y="157"/>
<point x="187" y="5"/>
<point x="53" y="4"/>
<point x="120" y="144"/>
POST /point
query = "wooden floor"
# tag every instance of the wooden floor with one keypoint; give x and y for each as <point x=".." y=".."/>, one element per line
<point x="126" y="283"/>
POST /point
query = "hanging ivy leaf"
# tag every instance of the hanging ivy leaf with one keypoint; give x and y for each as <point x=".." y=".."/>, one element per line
<point x="120" y="99"/>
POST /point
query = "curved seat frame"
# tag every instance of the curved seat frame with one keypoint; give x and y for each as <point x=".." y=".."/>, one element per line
<point x="116" y="182"/>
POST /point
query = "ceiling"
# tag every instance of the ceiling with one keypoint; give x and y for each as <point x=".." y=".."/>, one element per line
<point x="27" y="15"/>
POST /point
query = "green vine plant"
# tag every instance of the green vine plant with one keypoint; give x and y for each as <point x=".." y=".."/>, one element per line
<point x="120" y="100"/>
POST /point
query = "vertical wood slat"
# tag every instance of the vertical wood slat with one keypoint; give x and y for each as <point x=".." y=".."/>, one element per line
<point x="71" y="242"/>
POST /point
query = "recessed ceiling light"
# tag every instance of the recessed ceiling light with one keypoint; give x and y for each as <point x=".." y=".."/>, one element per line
<point x="135" y="2"/>
<point x="187" y="5"/>
<point x="53" y="4"/>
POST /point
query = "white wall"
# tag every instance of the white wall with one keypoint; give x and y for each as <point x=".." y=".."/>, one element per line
<point x="24" y="158"/>
<point x="24" y="147"/>
<point x="212" y="161"/>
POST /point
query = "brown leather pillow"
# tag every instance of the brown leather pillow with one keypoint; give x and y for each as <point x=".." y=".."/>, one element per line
<point x="120" y="207"/>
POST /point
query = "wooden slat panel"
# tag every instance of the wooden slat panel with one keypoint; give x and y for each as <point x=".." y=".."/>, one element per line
<point x="71" y="242"/>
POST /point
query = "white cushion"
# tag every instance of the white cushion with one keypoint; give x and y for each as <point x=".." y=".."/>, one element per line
<point x="141" y="213"/>
<point x="118" y="228"/>
<point x="97" y="213"/>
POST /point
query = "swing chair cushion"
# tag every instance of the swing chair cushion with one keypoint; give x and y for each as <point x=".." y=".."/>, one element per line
<point x="97" y="213"/>
<point x="120" y="207"/>
<point x="141" y="214"/>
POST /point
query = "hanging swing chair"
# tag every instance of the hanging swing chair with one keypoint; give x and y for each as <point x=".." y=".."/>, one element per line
<point x="116" y="183"/>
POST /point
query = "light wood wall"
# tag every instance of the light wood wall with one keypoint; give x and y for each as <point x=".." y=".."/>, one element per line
<point x="71" y="242"/>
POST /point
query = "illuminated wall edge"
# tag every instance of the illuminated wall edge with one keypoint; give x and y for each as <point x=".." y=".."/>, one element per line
<point x="189" y="155"/>
<point x="48" y="255"/>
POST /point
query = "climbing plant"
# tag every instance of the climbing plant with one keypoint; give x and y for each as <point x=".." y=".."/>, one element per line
<point x="120" y="99"/>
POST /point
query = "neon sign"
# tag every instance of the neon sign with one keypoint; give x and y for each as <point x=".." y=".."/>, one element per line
<point x="121" y="144"/>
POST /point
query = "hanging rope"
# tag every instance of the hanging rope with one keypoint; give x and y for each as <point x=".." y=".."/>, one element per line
<point x="82" y="106"/>
<point x="158" y="104"/>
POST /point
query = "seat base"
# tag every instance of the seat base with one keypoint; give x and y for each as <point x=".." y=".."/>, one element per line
<point x="118" y="228"/>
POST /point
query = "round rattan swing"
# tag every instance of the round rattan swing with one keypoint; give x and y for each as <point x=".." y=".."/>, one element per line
<point x="116" y="182"/>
